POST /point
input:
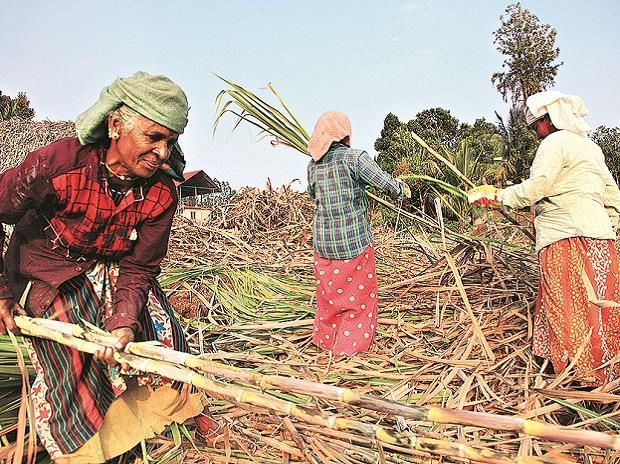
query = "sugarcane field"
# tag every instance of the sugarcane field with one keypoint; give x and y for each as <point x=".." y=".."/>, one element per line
<point x="309" y="232"/>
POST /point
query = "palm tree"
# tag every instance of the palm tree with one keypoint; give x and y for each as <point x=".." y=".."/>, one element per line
<point x="450" y="184"/>
<point x="516" y="146"/>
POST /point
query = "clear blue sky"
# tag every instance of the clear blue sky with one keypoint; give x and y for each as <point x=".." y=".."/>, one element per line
<point x="365" y="58"/>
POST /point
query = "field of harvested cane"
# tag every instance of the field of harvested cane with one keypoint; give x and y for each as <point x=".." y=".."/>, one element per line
<point x="455" y="322"/>
<point x="454" y="331"/>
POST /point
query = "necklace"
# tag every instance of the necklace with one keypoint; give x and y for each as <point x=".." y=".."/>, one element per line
<point x="115" y="174"/>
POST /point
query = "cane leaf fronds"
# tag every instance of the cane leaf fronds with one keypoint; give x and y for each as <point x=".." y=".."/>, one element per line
<point x="246" y="106"/>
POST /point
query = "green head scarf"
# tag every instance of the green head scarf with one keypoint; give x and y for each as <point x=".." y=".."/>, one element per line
<point x="154" y="97"/>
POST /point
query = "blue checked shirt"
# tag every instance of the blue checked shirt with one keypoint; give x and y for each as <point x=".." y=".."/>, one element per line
<point x="341" y="229"/>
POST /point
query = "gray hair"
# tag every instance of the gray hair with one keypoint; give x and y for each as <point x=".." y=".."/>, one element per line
<point x="125" y="115"/>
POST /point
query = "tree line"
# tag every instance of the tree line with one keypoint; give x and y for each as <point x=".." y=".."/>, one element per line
<point x="497" y="152"/>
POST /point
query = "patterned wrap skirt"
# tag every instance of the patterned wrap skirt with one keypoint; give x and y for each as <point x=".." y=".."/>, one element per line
<point x="72" y="391"/>
<point x="577" y="307"/>
<point x="346" y="293"/>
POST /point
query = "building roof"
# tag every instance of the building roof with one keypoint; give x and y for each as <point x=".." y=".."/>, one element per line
<point x="196" y="183"/>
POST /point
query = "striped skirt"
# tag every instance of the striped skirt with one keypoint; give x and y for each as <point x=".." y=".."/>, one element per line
<point x="577" y="312"/>
<point x="72" y="391"/>
<point x="346" y="294"/>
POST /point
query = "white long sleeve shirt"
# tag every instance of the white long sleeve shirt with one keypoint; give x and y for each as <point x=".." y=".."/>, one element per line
<point x="572" y="189"/>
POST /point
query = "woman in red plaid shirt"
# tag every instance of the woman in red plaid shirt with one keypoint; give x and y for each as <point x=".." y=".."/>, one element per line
<point x="92" y="219"/>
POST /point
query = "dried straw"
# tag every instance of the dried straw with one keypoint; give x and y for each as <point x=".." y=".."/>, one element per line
<point x="75" y="337"/>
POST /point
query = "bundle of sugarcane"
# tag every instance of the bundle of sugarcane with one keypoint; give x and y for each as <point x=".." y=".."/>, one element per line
<point x="15" y="373"/>
<point x="185" y="367"/>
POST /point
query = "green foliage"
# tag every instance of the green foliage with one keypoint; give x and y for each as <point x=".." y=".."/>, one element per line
<point x="484" y="139"/>
<point x="244" y="105"/>
<point x="530" y="51"/>
<point x="517" y="147"/>
<point x="471" y="167"/>
<point x="400" y="154"/>
<point x="468" y="149"/>
<point x="437" y="127"/>
<point x="608" y="138"/>
<point x="18" y="107"/>
<point x="390" y="125"/>
<point x="394" y="144"/>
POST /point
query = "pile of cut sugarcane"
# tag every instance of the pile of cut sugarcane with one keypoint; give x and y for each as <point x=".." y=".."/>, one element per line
<point x="204" y="374"/>
<point x="455" y="327"/>
<point x="18" y="137"/>
<point x="449" y="378"/>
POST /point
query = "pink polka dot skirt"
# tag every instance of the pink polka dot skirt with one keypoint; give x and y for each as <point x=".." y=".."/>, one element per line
<point x="346" y="292"/>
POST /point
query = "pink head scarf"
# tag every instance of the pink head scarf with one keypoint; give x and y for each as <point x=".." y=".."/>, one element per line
<point x="333" y="126"/>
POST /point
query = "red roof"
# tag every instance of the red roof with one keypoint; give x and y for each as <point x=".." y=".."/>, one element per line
<point x="196" y="182"/>
<point x="187" y="175"/>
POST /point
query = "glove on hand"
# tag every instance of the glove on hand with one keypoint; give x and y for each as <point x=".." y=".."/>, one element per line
<point x="405" y="190"/>
<point x="485" y="195"/>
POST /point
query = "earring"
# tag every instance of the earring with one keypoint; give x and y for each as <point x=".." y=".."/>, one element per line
<point x="113" y="134"/>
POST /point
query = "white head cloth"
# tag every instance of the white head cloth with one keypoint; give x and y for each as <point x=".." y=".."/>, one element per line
<point x="566" y="111"/>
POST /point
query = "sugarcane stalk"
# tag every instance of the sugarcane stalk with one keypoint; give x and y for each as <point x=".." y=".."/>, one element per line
<point x="346" y="395"/>
<point x="433" y="152"/>
<point x="241" y="396"/>
<point x="466" y="180"/>
<point x="434" y="414"/>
